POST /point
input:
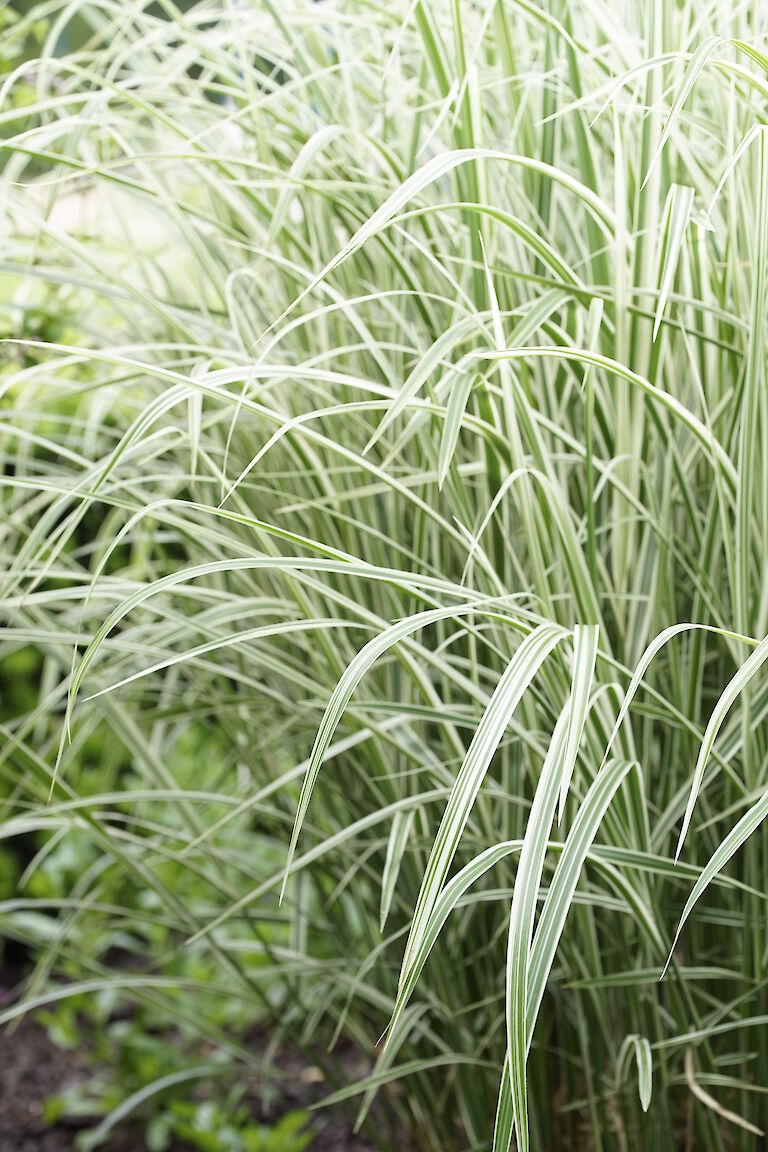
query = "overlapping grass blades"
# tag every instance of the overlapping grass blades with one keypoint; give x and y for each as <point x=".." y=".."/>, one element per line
<point x="385" y="449"/>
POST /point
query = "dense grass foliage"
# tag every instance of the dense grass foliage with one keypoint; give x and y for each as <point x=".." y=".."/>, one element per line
<point x="385" y="524"/>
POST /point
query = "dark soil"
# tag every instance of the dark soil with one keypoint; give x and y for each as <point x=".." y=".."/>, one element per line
<point x="32" y="1068"/>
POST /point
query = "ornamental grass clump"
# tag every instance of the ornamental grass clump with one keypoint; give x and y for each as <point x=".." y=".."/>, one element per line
<point x="385" y="525"/>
